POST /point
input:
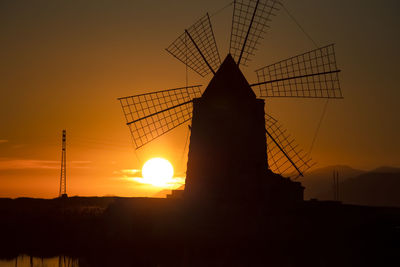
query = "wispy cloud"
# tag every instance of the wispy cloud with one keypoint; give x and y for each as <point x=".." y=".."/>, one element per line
<point x="22" y="164"/>
<point x="79" y="164"/>
<point x="2" y="141"/>
<point x="135" y="176"/>
<point x="171" y="183"/>
<point x="132" y="172"/>
<point x="128" y="173"/>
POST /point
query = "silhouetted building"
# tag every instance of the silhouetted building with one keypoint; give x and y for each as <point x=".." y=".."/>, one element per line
<point x="227" y="153"/>
<point x="176" y="194"/>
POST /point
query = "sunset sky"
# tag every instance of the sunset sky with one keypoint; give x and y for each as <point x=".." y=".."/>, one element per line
<point x="63" y="64"/>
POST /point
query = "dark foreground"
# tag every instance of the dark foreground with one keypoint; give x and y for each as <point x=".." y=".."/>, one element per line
<point x="166" y="232"/>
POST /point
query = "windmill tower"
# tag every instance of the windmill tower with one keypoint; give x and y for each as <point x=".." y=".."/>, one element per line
<point x="236" y="150"/>
<point x="227" y="152"/>
<point x="63" y="177"/>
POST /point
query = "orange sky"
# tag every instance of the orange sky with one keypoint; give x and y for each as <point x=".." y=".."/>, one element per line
<point x="64" y="63"/>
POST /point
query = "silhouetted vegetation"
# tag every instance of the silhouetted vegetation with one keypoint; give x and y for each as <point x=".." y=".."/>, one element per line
<point x="115" y="231"/>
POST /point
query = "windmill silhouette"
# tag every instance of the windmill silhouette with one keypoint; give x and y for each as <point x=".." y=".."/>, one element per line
<point x="232" y="140"/>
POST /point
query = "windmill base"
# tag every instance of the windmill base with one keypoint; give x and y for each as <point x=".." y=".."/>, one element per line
<point x="273" y="189"/>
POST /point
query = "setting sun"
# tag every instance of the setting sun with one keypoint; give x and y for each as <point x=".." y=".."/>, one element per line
<point x="158" y="172"/>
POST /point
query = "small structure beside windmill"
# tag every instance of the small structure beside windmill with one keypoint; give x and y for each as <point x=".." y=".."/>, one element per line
<point x="236" y="151"/>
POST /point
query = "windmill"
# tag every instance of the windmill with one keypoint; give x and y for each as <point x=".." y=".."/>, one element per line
<point x="232" y="139"/>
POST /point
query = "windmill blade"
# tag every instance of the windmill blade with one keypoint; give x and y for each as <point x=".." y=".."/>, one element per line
<point x="284" y="156"/>
<point x="313" y="74"/>
<point x="249" y="24"/>
<point x="197" y="48"/>
<point x="153" y="114"/>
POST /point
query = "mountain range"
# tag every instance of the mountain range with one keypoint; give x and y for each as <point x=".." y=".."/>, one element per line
<point x="378" y="187"/>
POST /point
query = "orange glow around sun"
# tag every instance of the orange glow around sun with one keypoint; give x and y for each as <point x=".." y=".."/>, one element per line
<point x="158" y="172"/>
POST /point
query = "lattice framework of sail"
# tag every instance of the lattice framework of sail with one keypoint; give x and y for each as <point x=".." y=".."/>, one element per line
<point x="242" y="32"/>
<point x="185" y="50"/>
<point x="153" y="114"/>
<point x="277" y="160"/>
<point x="313" y="74"/>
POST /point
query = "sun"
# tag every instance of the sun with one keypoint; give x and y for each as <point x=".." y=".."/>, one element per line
<point x="158" y="172"/>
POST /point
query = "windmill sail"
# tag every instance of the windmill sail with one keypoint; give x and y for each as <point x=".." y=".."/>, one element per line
<point x="154" y="114"/>
<point x="284" y="156"/>
<point x="197" y="48"/>
<point x="313" y="74"/>
<point x="249" y="24"/>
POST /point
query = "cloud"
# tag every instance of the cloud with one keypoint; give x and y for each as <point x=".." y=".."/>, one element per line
<point x="132" y="171"/>
<point x="172" y="183"/>
<point x="2" y="141"/>
<point x="129" y="173"/>
<point x="79" y="164"/>
<point x="135" y="176"/>
<point x="23" y="164"/>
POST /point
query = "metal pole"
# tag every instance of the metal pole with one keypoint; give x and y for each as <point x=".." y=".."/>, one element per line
<point x="337" y="182"/>
<point x="63" y="176"/>
<point x="334" y="184"/>
<point x="65" y="161"/>
<point x="62" y="163"/>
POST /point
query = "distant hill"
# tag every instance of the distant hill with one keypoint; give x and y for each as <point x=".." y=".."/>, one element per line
<point x="379" y="187"/>
<point x="375" y="188"/>
<point x="319" y="181"/>
<point x="387" y="169"/>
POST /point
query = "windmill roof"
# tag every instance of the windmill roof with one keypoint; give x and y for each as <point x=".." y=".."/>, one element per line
<point x="228" y="83"/>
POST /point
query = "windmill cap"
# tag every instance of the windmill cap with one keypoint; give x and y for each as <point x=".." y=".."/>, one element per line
<point x="228" y="83"/>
